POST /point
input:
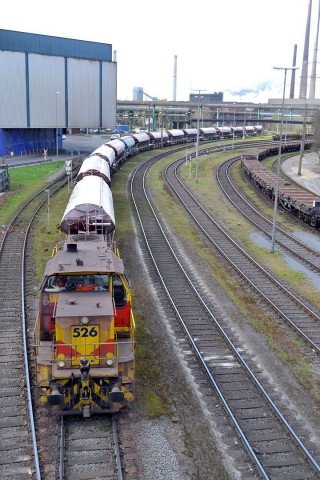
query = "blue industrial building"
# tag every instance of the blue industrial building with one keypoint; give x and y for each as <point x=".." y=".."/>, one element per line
<point x="49" y="84"/>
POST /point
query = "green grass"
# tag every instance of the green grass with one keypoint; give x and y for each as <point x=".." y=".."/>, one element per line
<point x="215" y="201"/>
<point x="46" y="238"/>
<point x="286" y="347"/>
<point x="24" y="182"/>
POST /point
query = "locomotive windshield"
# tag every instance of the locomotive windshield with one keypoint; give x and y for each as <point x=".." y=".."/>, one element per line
<point x="78" y="283"/>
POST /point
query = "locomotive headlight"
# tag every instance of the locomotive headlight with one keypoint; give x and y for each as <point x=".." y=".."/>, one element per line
<point x="84" y="320"/>
<point x="109" y="359"/>
<point x="61" y="363"/>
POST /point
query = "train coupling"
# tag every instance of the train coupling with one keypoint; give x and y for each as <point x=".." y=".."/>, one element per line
<point x="86" y="411"/>
<point x="84" y="367"/>
<point x="55" y="397"/>
<point x="116" y="395"/>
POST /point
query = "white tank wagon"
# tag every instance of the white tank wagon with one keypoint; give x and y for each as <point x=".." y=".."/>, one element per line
<point x="209" y="133"/>
<point x="106" y="153"/>
<point x="142" y="141"/>
<point x="157" y="137"/>
<point x="129" y="144"/>
<point x="191" y="134"/>
<point x="90" y="208"/>
<point x="119" y="149"/>
<point x="250" y="130"/>
<point x="176" y="136"/>
<point x="237" y="132"/>
<point x="224" y="132"/>
<point x="95" y="165"/>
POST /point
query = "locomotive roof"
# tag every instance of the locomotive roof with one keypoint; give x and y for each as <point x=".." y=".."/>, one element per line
<point x="84" y="253"/>
<point x="95" y="304"/>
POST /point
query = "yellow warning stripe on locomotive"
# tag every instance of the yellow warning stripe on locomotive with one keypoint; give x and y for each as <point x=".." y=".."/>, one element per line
<point x="85" y="341"/>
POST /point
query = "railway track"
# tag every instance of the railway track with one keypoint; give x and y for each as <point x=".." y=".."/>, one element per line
<point x="20" y="454"/>
<point x="303" y="317"/>
<point x="20" y="458"/>
<point x="270" y="439"/>
<point x="90" y="449"/>
<point x="35" y="444"/>
<point x="300" y="250"/>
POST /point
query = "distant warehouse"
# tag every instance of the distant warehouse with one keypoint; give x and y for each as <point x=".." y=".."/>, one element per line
<point x="50" y="83"/>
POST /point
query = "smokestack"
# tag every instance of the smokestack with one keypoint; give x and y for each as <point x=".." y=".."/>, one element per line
<point x="293" y="73"/>
<point x="312" y="92"/>
<point x="174" y="79"/>
<point x="304" y="71"/>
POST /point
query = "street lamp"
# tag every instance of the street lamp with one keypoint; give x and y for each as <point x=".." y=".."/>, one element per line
<point x="161" y="127"/>
<point x="154" y="116"/>
<point x="286" y="132"/>
<point x="68" y="164"/>
<point x="244" y="124"/>
<point x="57" y="145"/>
<point x="303" y="137"/>
<point x="279" y="158"/>
<point x="48" y="206"/>
<point x="198" y="126"/>
<point x="234" y="125"/>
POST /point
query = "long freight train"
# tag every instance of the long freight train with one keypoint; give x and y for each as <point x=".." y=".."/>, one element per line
<point x="85" y="328"/>
<point x="303" y="204"/>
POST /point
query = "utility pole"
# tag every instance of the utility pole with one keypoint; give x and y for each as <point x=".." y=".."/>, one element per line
<point x="198" y="126"/>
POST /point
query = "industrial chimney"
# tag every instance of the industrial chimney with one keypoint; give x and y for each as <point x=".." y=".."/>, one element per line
<point x="174" y="97"/>
<point x="293" y="74"/>
<point x="312" y="92"/>
<point x="304" y="71"/>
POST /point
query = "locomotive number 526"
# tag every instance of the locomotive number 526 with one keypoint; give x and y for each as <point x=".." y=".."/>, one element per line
<point x="84" y="332"/>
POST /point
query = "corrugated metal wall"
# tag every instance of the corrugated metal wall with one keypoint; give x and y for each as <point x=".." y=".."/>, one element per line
<point x="46" y="78"/>
<point x="83" y="93"/>
<point x="30" y="81"/>
<point x="109" y="93"/>
<point x="13" y="110"/>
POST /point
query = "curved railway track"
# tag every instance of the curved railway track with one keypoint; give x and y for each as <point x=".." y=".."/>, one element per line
<point x="274" y="447"/>
<point x="300" y="250"/>
<point x="303" y="317"/>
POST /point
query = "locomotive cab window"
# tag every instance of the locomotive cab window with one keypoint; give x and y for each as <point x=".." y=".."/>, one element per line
<point x="55" y="283"/>
<point x="77" y="283"/>
<point x="119" y="293"/>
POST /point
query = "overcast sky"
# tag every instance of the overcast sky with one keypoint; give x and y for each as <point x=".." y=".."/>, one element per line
<point x="229" y="46"/>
